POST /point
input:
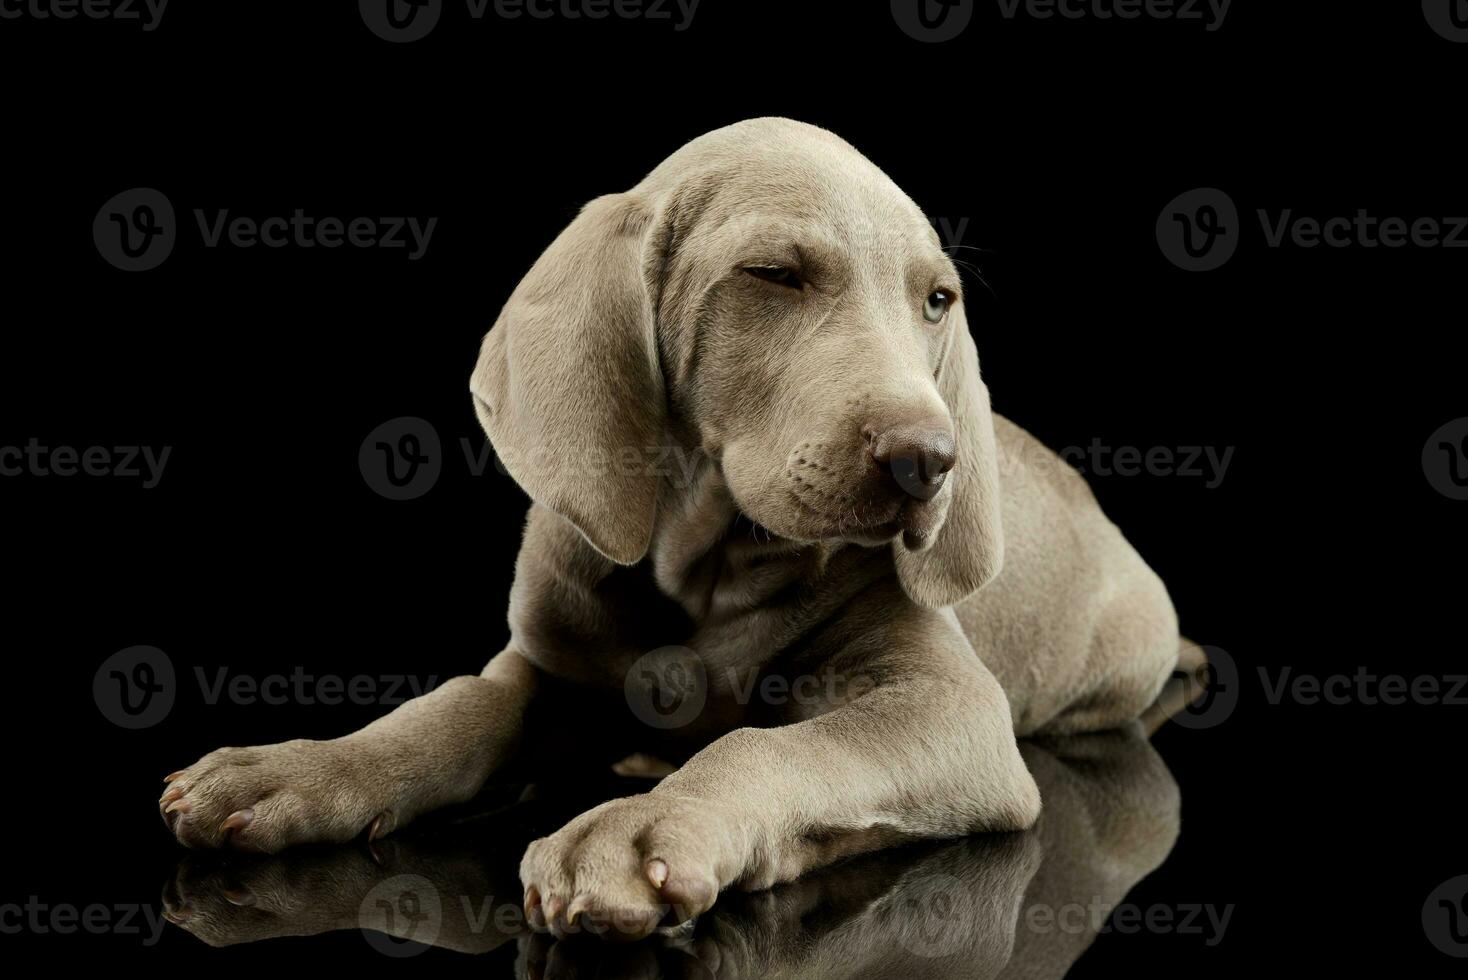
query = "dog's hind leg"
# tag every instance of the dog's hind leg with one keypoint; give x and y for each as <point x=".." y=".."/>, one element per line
<point x="1187" y="683"/>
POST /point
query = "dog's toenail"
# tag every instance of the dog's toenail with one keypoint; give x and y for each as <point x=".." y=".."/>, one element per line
<point x="178" y="916"/>
<point x="657" y="873"/>
<point x="238" y="820"/>
<point x="534" y="914"/>
<point x="578" y="905"/>
<point x="242" y="897"/>
<point x="180" y="806"/>
<point x="554" y="907"/>
<point x="174" y="775"/>
<point x="380" y="826"/>
<point x="172" y="794"/>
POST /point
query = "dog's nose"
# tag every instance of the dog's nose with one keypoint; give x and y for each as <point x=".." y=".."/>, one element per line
<point x="917" y="455"/>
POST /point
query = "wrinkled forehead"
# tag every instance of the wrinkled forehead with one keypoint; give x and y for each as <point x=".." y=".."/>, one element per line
<point x="815" y="215"/>
<point x="764" y="199"/>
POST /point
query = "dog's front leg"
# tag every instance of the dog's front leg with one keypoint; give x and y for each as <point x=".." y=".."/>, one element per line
<point x="431" y="751"/>
<point x="917" y="742"/>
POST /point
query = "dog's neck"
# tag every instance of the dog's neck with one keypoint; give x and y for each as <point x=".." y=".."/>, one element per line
<point x="719" y="565"/>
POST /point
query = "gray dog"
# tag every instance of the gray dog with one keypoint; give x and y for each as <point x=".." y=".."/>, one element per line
<point x="771" y="313"/>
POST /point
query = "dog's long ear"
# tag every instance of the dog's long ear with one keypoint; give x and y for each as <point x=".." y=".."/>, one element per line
<point x="969" y="548"/>
<point x="568" y="385"/>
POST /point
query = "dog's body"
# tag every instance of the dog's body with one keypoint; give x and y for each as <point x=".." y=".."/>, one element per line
<point x="846" y="518"/>
<point x="1076" y="628"/>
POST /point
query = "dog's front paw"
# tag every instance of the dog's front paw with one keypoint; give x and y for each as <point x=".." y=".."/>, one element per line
<point x="626" y="867"/>
<point x="269" y="797"/>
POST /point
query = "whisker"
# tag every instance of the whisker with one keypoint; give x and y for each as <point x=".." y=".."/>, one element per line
<point x="974" y="271"/>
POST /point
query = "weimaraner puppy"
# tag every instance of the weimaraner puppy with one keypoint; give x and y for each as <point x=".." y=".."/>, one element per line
<point x="746" y="404"/>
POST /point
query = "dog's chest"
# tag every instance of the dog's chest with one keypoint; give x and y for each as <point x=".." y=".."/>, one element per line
<point x="751" y="597"/>
<point x="740" y="570"/>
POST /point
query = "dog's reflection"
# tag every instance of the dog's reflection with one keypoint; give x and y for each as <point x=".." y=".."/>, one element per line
<point x="981" y="907"/>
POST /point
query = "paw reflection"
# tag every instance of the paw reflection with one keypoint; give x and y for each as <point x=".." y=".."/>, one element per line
<point x="965" y="908"/>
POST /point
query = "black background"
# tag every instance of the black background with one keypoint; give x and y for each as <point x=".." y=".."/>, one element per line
<point x="263" y="549"/>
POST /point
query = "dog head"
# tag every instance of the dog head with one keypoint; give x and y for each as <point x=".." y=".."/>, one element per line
<point x="771" y="298"/>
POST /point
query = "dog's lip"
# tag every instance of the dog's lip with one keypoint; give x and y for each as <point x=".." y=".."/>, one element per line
<point x="877" y="533"/>
<point x="914" y="522"/>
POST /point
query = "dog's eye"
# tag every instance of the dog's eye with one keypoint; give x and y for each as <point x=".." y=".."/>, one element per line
<point x="776" y="274"/>
<point x="936" y="308"/>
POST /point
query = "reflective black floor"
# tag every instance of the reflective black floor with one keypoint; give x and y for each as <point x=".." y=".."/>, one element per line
<point x="1006" y="905"/>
